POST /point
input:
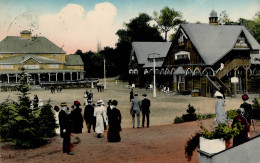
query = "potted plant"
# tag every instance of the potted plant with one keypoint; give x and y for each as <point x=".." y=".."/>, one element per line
<point x="221" y="135"/>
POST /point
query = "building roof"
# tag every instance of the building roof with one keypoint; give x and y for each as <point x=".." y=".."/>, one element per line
<point x="25" y="32"/>
<point x="36" y="45"/>
<point x="215" y="41"/>
<point x="39" y="71"/>
<point x="23" y="58"/>
<point x="143" y="49"/>
<point x="74" y="60"/>
<point x="150" y="64"/>
<point x="179" y="71"/>
<point x="213" y="13"/>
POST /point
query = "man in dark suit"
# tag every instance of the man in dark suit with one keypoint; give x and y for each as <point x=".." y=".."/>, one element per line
<point x="65" y="127"/>
<point x="145" y="105"/>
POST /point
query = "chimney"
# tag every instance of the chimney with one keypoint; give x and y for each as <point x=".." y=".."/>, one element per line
<point x="26" y="34"/>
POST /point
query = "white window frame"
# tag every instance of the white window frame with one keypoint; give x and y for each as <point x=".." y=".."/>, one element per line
<point x="54" y="66"/>
<point x="31" y="67"/>
<point x="6" y="66"/>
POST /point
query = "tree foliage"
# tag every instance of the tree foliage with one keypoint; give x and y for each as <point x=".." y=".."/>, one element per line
<point x="168" y="19"/>
<point x="224" y="18"/>
<point x="22" y="125"/>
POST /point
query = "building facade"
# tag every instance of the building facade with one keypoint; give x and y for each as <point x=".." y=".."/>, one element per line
<point x="205" y="57"/>
<point x="43" y="60"/>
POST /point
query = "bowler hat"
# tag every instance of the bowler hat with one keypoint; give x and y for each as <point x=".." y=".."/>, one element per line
<point x="144" y="95"/>
<point x="135" y="94"/>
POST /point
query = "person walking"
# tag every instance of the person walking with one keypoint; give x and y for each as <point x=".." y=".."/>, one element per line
<point x="221" y="116"/>
<point x="65" y="128"/>
<point x="77" y="119"/>
<point x="89" y="117"/>
<point x="35" y="101"/>
<point x="99" y="113"/>
<point x="135" y="110"/>
<point x="241" y="123"/>
<point x="86" y="97"/>
<point x="90" y="95"/>
<point x="145" y="105"/>
<point x="131" y="94"/>
<point x="247" y="107"/>
<point x="114" y="123"/>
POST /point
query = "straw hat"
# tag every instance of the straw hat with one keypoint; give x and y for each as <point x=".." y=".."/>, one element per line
<point x="218" y="94"/>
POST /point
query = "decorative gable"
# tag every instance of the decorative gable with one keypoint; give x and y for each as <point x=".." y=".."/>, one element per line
<point x="241" y="42"/>
<point x="181" y="38"/>
<point x="31" y="61"/>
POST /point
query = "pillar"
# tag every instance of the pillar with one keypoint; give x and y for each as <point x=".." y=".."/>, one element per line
<point x="174" y="83"/>
<point x="63" y="76"/>
<point x="16" y="78"/>
<point x="56" y="76"/>
<point x="77" y="75"/>
<point x="49" y="77"/>
<point x="70" y="75"/>
<point x="39" y="78"/>
<point x="246" y="68"/>
<point x="8" y="80"/>
<point x="235" y="84"/>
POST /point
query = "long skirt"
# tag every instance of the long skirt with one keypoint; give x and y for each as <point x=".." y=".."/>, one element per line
<point x="99" y="124"/>
<point x="113" y="135"/>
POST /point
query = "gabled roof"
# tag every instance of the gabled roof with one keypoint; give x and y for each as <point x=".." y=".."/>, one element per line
<point x="179" y="71"/>
<point x="143" y="49"/>
<point x="74" y="60"/>
<point x="23" y="58"/>
<point x="36" y="45"/>
<point x="215" y="41"/>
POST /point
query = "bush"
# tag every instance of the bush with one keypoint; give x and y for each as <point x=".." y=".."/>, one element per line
<point x="256" y="109"/>
<point x="231" y="114"/>
<point x="205" y="116"/>
<point x="26" y="127"/>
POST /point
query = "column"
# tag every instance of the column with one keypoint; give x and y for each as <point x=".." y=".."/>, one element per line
<point x="175" y="83"/>
<point x="16" y="77"/>
<point x="63" y="76"/>
<point x="39" y="78"/>
<point x="235" y="84"/>
<point x="56" y="76"/>
<point x="77" y="76"/>
<point x="70" y="75"/>
<point x="8" y="80"/>
<point x="49" y="77"/>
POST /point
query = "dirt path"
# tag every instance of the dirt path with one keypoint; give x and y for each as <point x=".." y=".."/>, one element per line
<point x="162" y="143"/>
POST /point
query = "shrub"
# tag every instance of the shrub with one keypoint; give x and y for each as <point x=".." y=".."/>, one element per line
<point x="256" y="109"/>
<point x="231" y="114"/>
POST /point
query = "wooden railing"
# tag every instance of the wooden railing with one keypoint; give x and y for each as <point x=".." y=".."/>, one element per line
<point x="231" y="66"/>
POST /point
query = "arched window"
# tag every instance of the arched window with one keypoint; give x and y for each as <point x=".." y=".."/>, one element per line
<point x="188" y="72"/>
<point x="172" y="71"/>
<point x="135" y="71"/>
<point x="131" y="71"/>
<point x="162" y="72"/>
<point x="146" y="72"/>
<point x="196" y="72"/>
<point x="208" y="71"/>
<point x="167" y="72"/>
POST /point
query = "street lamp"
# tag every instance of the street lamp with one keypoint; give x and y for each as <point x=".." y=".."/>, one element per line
<point x="154" y="73"/>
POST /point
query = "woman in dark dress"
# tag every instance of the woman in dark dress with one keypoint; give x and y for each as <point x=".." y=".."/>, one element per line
<point x="77" y="119"/>
<point x="114" y="123"/>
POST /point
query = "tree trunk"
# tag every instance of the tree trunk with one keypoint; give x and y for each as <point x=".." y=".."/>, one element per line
<point x="165" y="39"/>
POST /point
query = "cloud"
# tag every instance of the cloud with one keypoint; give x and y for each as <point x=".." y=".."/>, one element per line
<point x="72" y="28"/>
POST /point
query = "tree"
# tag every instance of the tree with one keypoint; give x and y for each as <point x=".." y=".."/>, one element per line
<point x="167" y="19"/>
<point x="138" y="29"/>
<point x="224" y="18"/>
<point x="252" y="25"/>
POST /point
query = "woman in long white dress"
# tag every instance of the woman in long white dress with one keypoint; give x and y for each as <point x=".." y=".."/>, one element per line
<point x="221" y="116"/>
<point x="100" y="115"/>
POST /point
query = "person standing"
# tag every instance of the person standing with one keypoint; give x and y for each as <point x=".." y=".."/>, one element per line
<point x="131" y="94"/>
<point x="86" y="97"/>
<point x="89" y="116"/>
<point x="135" y="110"/>
<point x="114" y="123"/>
<point x="40" y="105"/>
<point x="35" y="101"/>
<point x="145" y="105"/>
<point x="90" y="95"/>
<point x="240" y="121"/>
<point x="77" y="119"/>
<point x="65" y="128"/>
<point x="99" y="113"/>
<point x="247" y="107"/>
<point x="221" y="116"/>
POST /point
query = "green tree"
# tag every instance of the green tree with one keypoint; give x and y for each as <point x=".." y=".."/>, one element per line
<point x="224" y="18"/>
<point x="167" y="19"/>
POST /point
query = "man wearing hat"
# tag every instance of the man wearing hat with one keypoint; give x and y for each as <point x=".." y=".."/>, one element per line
<point x="247" y="107"/>
<point x="145" y="105"/>
<point x="88" y="116"/>
<point x="135" y="110"/>
<point x="65" y="127"/>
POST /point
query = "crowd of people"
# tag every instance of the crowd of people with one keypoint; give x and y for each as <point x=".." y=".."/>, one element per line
<point x="242" y="120"/>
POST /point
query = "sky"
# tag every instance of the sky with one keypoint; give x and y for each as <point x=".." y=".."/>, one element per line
<point x="81" y="24"/>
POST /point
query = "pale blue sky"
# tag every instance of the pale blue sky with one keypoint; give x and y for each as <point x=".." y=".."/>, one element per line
<point x="119" y="11"/>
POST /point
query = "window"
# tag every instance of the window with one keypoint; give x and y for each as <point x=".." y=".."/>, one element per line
<point x="6" y="66"/>
<point x="55" y="55"/>
<point x="1" y="56"/>
<point x="31" y="67"/>
<point x="189" y="72"/>
<point x="196" y="72"/>
<point x="53" y="65"/>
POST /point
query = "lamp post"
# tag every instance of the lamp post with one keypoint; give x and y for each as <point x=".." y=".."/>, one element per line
<point x="154" y="73"/>
<point x="105" y="82"/>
